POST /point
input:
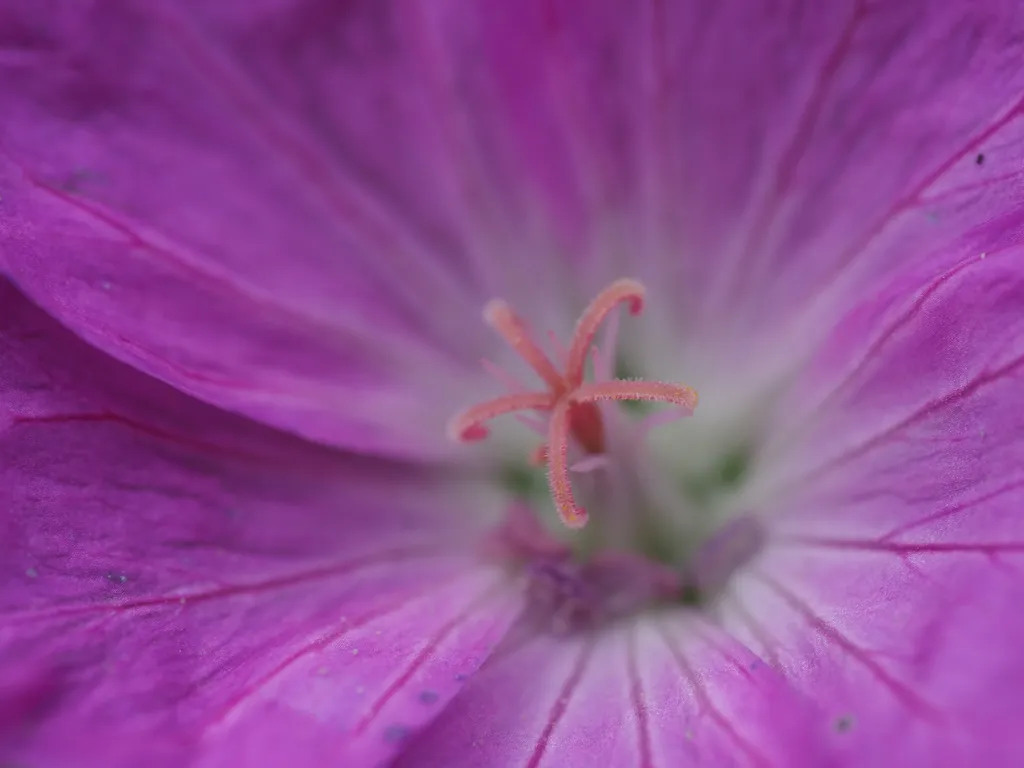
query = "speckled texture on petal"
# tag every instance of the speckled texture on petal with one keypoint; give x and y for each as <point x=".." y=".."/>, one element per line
<point x="661" y="693"/>
<point x="177" y="585"/>
<point x="893" y="585"/>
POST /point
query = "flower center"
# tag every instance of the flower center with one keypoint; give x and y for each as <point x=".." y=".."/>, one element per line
<point x="639" y="547"/>
<point x="569" y="402"/>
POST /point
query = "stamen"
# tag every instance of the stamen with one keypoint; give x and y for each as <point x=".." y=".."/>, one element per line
<point x="604" y="362"/>
<point x="651" y="391"/>
<point x="469" y="425"/>
<point x="608" y="300"/>
<point x="558" y="468"/>
<point x="572" y="403"/>
<point x="587" y="426"/>
<point x="501" y="318"/>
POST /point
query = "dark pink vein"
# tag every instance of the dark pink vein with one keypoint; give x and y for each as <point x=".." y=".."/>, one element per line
<point x="954" y="510"/>
<point x="659" y="158"/>
<point x="902" y="692"/>
<point x="287" y="143"/>
<point x="636" y="693"/>
<point x="455" y="135"/>
<point x="318" y="645"/>
<point x="913" y="198"/>
<point x="927" y="409"/>
<point x="905" y="548"/>
<point x="561" y="703"/>
<point x="173" y="253"/>
<point x="583" y="145"/>
<point x="423" y="656"/>
<point x="334" y="570"/>
<point x="912" y="311"/>
<point x="146" y="429"/>
<point x="707" y="636"/>
<point x="809" y="119"/>
<point x="977" y="186"/>
<point x="970" y="145"/>
<point x="176" y="254"/>
<point x="758" y="631"/>
<point x="707" y="705"/>
<point x="659" y="50"/>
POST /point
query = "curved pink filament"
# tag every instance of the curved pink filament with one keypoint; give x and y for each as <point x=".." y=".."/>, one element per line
<point x="608" y="300"/>
<point x="501" y="318"/>
<point x="623" y="389"/>
<point x="573" y="516"/>
<point x="469" y="424"/>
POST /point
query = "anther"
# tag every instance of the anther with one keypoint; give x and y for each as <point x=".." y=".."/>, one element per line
<point x="501" y="318"/>
<point x="572" y="515"/>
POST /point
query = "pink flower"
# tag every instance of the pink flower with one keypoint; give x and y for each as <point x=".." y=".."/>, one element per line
<point x="249" y="249"/>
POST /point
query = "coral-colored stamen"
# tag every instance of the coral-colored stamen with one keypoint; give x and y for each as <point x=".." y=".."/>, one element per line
<point x="625" y="389"/>
<point x="572" y="514"/>
<point x="501" y="318"/>
<point x="571" y="402"/>
<point x="590" y="321"/>
<point x="469" y="425"/>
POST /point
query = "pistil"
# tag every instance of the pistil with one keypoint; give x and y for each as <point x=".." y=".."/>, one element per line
<point x="569" y="402"/>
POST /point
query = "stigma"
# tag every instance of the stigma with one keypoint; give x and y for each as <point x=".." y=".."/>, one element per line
<point x="568" y="404"/>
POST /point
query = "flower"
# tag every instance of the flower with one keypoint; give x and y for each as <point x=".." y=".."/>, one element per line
<point x="247" y="249"/>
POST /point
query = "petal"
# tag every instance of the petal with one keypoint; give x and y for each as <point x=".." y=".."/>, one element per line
<point x="163" y="199"/>
<point x="816" y="148"/>
<point x="657" y="693"/>
<point x="377" y="680"/>
<point x="178" y="585"/>
<point x="893" y="583"/>
<point x="756" y="165"/>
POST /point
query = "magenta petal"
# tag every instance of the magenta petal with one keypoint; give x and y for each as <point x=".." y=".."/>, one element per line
<point x="361" y="692"/>
<point x="895" y="575"/>
<point x="293" y="209"/>
<point x="664" y="692"/>
<point x="814" y="147"/>
<point x="175" y="581"/>
<point x="161" y="199"/>
<point x="754" y="164"/>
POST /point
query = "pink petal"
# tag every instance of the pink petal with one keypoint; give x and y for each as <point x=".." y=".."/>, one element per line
<point x="756" y="165"/>
<point x="811" y="149"/>
<point x="369" y="689"/>
<point x="178" y="584"/>
<point x="293" y="209"/>
<point x="173" y="191"/>
<point x="892" y="588"/>
<point x="660" y="693"/>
